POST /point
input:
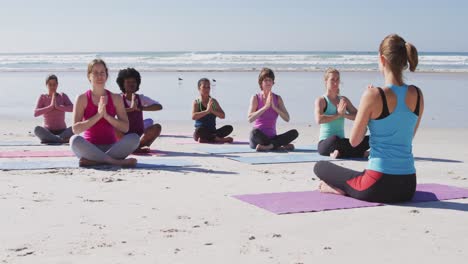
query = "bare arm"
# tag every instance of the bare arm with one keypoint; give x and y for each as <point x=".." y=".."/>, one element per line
<point x="421" y="110"/>
<point x="281" y="109"/>
<point x="320" y="117"/>
<point x="80" y="125"/>
<point x="217" y="110"/>
<point x="149" y="104"/>
<point x="133" y="105"/>
<point x="351" y="111"/>
<point x="153" y="107"/>
<point x="197" y="114"/>
<point x="363" y="116"/>
<point x="121" y="122"/>
<point x="253" y="112"/>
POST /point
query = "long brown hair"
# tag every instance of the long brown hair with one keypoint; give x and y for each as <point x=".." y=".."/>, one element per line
<point x="399" y="54"/>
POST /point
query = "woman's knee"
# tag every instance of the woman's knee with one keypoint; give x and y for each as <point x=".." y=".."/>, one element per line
<point x="322" y="151"/>
<point x="327" y="146"/>
<point x="320" y="168"/>
<point x="76" y="139"/>
<point x="294" y="133"/>
<point x="253" y="145"/>
<point x="255" y="132"/>
<point x="77" y="143"/>
<point x="39" y="131"/>
<point x="154" y="130"/>
<point x="132" y="139"/>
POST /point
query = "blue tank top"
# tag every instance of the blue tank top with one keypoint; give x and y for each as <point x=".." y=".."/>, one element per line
<point x="208" y="121"/>
<point x="391" y="138"/>
<point x="335" y="127"/>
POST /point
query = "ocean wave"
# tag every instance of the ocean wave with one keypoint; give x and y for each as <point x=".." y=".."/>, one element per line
<point x="224" y="61"/>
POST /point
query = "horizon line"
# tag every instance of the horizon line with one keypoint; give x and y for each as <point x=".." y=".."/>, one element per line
<point x="214" y="51"/>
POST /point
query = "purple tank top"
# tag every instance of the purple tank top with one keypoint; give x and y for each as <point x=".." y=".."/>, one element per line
<point x="267" y="121"/>
<point x="102" y="133"/>
<point x="135" y="118"/>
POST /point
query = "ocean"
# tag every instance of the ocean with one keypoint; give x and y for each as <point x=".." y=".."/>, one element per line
<point x="443" y="78"/>
<point x="224" y="61"/>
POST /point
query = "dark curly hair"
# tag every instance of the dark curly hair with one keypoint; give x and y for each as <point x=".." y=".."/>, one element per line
<point x="127" y="74"/>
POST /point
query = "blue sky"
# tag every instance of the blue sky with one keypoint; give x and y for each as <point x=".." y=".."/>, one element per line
<point x="205" y="25"/>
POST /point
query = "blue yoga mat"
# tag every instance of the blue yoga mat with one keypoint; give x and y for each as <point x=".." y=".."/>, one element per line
<point x="282" y="158"/>
<point x="228" y="149"/>
<point x="150" y="163"/>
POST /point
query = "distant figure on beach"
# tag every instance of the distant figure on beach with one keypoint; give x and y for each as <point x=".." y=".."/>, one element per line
<point x="265" y="107"/>
<point x="393" y="114"/>
<point x="129" y="81"/>
<point x="205" y="109"/>
<point x="331" y="109"/>
<point x="53" y="106"/>
<point x="94" y="114"/>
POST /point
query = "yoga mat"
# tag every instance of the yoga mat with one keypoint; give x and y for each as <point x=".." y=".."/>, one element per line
<point x="152" y="152"/>
<point x="27" y="143"/>
<point x="315" y="201"/>
<point x="56" y="153"/>
<point x="152" y="163"/>
<point x="228" y="149"/>
<point x="281" y="158"/>
<point x="36" y="153"/>
<point x="177" y="135"/>
<point x="192" y="142"/>
<point x="436" y="192"/>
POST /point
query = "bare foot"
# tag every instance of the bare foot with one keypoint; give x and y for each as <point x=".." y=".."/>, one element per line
<point x="224" y="140"/>
<point x="335" y="154"/>
<point x="128" y="163"/>
<point x="200" y="140"/>
<point x="87" y="163"/>
<point x="142" y="150"/>
<point x="264" y="147"/>
<point x="325" y="188"/>
<point x="289" y="147"/>
<point x="366" y="154"/>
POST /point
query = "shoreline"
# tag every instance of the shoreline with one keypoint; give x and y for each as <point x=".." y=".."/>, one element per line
<point x="113" y="70"/>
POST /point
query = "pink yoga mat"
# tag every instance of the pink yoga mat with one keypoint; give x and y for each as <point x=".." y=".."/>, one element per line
<point x="36" y="153"/>
<point x="56" y="153"/>
<point x="314" y="201"/>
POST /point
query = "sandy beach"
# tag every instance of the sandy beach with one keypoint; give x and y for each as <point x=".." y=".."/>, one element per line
<point x="182" y="204"/>
<point x="187" y="215"/>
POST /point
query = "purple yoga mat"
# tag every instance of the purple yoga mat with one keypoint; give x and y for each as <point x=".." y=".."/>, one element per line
<point x="436" y="192"/>
<point x="314" y="201"/>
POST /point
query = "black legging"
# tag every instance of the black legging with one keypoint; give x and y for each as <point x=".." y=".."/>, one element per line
<point x="209" y="135"/>
<point x="330" y="144"/>
<point x="258" y="137"/>
<point x="367" y="185"/>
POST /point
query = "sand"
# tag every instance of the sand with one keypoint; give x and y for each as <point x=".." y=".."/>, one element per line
<point x="187" y="215"/>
